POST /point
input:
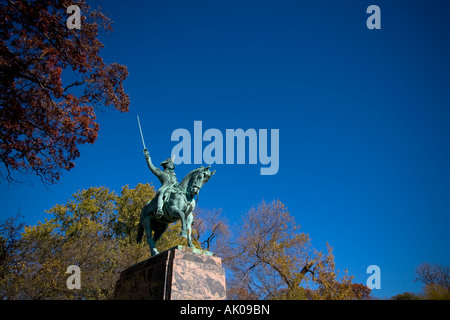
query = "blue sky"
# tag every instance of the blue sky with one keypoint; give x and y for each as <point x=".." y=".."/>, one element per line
<point x="363" y="117"/>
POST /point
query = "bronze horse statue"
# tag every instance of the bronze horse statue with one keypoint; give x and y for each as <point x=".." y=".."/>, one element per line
<point x="179" y="204"/>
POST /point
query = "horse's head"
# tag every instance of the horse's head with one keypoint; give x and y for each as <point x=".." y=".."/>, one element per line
<point x="199" y="177"/>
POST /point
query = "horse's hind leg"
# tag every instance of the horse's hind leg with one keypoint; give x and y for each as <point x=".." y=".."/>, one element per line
<point x="159" y="228"/>
<point x="146" y="222"/>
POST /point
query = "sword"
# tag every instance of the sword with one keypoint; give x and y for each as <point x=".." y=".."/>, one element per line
<point x="140" y="129"/>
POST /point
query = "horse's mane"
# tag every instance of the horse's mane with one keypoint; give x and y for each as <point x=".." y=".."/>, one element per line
<point x="184" y="183"/>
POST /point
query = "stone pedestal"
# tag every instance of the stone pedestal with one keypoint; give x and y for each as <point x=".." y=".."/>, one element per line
<point x="179" y="273"/>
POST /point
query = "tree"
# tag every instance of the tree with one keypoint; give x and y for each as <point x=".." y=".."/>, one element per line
<point x="272" y="259"/>
<point x="92" y="230"/>
<point x="9" y="252"/>
<point x="95" y="230"/>
<point x="211" y="231"/>
<point x="406" y="296"/>
<point x="51" y="79"/>
<point x="436" y="280"/>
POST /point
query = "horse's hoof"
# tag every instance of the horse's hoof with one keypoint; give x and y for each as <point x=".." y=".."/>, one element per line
<point x="154" y="252"/>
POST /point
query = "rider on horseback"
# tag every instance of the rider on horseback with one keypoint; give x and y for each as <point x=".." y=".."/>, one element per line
<point x="167" y="178"/>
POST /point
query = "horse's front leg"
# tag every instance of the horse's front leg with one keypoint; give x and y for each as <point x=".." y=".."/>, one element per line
<point x="189" y="220"/>
<point x="180" y="214"/>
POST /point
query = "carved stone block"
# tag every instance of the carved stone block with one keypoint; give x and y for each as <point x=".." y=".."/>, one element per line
<point x="179" y="273"/>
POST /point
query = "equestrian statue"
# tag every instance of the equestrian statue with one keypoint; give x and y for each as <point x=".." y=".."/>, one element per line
<point x="173" y="201"/>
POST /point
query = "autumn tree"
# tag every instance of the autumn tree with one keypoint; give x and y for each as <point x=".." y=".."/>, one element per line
<point x="211" y="231"/>
<point x="52" y="80"/>
<point x="93" y="230"/>
<point x="436" y="281"/>
<point x="406" y="296"/>
<point x="10" y="243"/>
<point x="272" y="259"/>
<point x="267" y="257"/>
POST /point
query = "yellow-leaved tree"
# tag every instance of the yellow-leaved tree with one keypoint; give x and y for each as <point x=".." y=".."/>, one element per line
<point x="271" y="259"/>
<point x="95" y="230"/>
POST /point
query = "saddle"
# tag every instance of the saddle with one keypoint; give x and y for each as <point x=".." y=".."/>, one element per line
<point x="166" y="196"/>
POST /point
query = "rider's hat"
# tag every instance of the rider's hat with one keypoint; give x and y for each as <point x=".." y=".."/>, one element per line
<point x="166" y="162"/>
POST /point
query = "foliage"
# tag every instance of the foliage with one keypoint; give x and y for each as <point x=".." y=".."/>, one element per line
<point x="406" y="296"/>
<point x="272" y="259"/>
<point x="436" y="283"/>
<point x="9" y="249"/>
<point x="211" y="231"/>
<point x="269" y="258"/>
<point x="436" y="280"/>
<point x="94" y="230"/>
<point x="51" y="78"/>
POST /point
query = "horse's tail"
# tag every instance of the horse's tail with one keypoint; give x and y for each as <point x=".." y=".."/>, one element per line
<point x="140" y="232"/>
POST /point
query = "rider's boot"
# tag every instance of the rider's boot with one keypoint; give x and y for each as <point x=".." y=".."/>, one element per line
<point x="159" y="213"/>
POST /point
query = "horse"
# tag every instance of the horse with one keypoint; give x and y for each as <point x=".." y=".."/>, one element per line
<point x="179" y="205"/>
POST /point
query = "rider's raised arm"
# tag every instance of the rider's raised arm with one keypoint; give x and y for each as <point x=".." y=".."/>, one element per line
<point x="157" y="172"/>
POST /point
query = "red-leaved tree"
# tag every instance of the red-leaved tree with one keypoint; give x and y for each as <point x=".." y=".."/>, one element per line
<point x="44" y="119"/>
